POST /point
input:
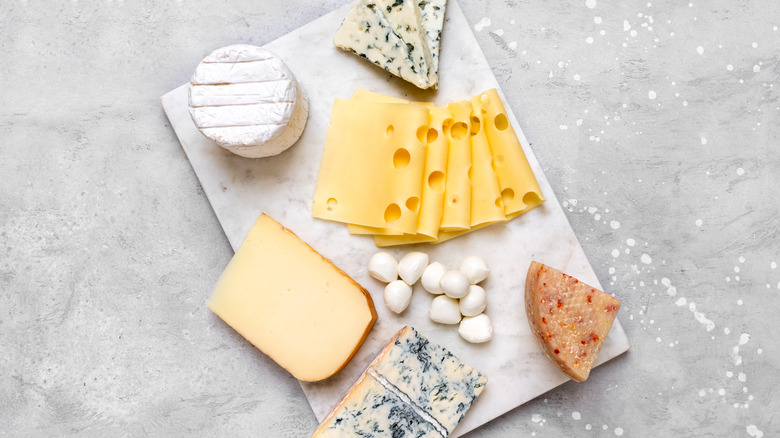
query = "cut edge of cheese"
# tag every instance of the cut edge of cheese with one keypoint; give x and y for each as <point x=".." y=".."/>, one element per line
<point x="260" y="294"/>
<point x="432" y="15"/>
<point x="570" y="319"/>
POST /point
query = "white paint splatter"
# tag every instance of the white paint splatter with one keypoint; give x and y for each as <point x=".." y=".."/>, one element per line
<point x="576" y="77"/>
<point x="499" y="32"/>
<point x="742" y="377"/>
<point x="589" y="40"/>
<point x="754" y="45"/>
<point x="512" y="45"/>
<point x="615" y="253"/>
<point x="700" y="49"/>
<point x="646" y="259"/>
<point x="702" y="393"/>
<point x="703" y="140"/>
<point x="576" y="415"/>
<point x="699" y="222"/>
<point x="633" y="32"/>
<point x="626" y="25"/>
<point x="752" y="430"/>
<point x="614" y="224"/>
<point x="483" y="23"/>
<point x="773" y="265"/>
<point x="756" y="68"/>
<point x="590" y="4"/>
<point x="739" y="302"/>
<point x="597" y="20"/>
<point x="630" y="242"/>
<point x="588" y="426"/>
<point x="619" y="431"/>
<point x="729" y="67"/>
<point x="740" y="171"/>
<point x="536" y="418"/>
<point x="680" y="301"/>
<point x="579" y="122"/>
<point x="563" y="127"/>
<point x="651" y="95"/>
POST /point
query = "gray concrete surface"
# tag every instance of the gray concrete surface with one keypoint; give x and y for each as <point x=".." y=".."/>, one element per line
<point x="656" y="122"/>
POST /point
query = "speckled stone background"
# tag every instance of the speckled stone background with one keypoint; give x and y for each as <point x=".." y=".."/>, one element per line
<point x="656" y="123"/>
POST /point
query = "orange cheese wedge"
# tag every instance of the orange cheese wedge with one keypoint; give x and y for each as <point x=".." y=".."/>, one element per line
<point x="569" y="318"/>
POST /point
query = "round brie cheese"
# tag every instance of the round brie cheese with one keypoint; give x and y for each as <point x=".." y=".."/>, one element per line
<point x="246" y="99"/>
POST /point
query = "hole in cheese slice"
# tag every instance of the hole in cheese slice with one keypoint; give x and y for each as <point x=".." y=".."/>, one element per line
<point x="569" y="318"/>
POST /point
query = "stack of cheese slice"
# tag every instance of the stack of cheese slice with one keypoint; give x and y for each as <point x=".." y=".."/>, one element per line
<point x="414" y="172"/>
<point x="413" y="388"/>
<point x="401" y="36"/>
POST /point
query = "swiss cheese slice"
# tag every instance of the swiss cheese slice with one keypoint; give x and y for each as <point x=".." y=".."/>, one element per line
<point x="520" y="191"/>
<point x="310" y="324"/>
<point x="569" y="318"/>
<point x="486" y="204"/>
<point x="456" y="213"/>
<point x="370" y="143"/>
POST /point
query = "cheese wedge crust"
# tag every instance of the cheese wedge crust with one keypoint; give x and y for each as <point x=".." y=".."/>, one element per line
<point x="569" y="318"/>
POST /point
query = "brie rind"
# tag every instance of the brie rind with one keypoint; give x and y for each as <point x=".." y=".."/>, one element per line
<point x="246" y="100"/>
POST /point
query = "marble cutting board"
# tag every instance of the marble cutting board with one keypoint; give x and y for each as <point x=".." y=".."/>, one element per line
<point x="239" y="189"/>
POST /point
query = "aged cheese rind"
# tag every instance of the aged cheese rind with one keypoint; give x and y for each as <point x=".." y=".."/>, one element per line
<point x="367" y="33"/>
<point x="570" y="319"/>
<point x="433" y="383"/>
<point x="245" y="99"/>
<point x="369" y="410"/>
<point x="309" y="324"/>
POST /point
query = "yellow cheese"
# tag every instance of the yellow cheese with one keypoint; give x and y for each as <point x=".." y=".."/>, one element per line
<point x="293" y="304"/>
<point x="486" y="204"/>
<point x="456" y="213"/>
<point x="520" y="191"/>
<point x="371" y="165"/>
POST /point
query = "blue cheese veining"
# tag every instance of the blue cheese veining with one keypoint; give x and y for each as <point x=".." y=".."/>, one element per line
<point x="432" y="20"/>
<point x="413" y="387"/>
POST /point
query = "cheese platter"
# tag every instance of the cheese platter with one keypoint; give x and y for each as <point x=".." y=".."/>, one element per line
<point x="283" y="186"/>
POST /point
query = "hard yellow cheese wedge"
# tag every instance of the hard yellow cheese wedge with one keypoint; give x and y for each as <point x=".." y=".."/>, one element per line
<point x="292" y="303"/>
<point x="371" y="165"/>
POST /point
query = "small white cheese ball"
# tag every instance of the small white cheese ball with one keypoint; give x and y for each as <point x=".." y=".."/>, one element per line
<point x="474" y="302"/>
<point x="431" y="278"/>
<point x="411" y="267"/>
<point x="475" y="269"/>
<point x="444" y="310"/>
<point x="398" y="294"/>
<point x="476" y="329"/>
<point x="454" y="284"/>
<point x="383" y="267"/>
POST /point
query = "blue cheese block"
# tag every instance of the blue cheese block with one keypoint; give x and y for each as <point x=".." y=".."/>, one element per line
<point x="414" y="388"/>
<point x="431" y="376"/>
<point x="369" y="410"/>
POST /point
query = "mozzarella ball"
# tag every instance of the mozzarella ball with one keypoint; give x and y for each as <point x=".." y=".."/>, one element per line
<point x="444" y="310"/>
<point x="431" y="278"/>
<point x="475" y="269"/>
<point x="476" y="329"/>
<point x="454" y="284"/>
<point x="411" y="266"/>
<point x="383" y="267"/>
<point x="474" y="302"/>
<point x="398" y="294"/>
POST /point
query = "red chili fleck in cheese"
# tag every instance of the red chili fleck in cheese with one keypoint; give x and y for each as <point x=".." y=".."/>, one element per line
<point x="578" y="318"/>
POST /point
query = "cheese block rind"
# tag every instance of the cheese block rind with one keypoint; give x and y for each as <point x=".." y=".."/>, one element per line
<point x="311" y="324"/>
<point x="569" y="318"/>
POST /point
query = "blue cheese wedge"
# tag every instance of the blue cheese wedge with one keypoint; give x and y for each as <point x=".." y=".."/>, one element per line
<point x="367" y="32"/>
<point x="404" y="16"/>
<point x="413" y="386"/>
<point x="432" y="20"/>
<point x="369" y="410"/>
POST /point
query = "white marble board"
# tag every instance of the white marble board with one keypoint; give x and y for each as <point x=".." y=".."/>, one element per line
<point x="239" y="189"/>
